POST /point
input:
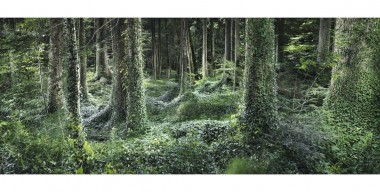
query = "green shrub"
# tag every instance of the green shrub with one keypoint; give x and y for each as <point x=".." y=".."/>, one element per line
<point x="214" y="106"/>
<point x="206" y="130"/>
<point x="247" y="166"/>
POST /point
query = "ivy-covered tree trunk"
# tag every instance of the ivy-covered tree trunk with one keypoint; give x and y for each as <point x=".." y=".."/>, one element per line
<point x="82" y="59"/>
<point x="260" y="112"/>
<point x="119" y="94"/>
<point x="324" y="39"/>
<point x="136" y="112"/>
<point x="102" y="69"/>
<point x="353" y="97"/>
<point x="73" y="75"/>
<point x="204" y="50"/>
<point x="54" y="96"/>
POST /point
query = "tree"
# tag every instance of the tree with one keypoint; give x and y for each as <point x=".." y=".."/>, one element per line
<point x="118" y="85"/>
<point x="227" y="40"/>
<point x="54" y="97"/>
<point x="353" y="96"/>
<point x="183" y="57"/>
<point x="236" y="48"/>
<point x="73" y="75"/>
<point x="102" y="69"/>
<point x="324" y="39"/>
<point x="136" y="109"/>
<point x="259" y="79"/>
<point x="280" y="40"/>
<point x="154" y="48"/>
<point x="82" y="59"/>
<point x="204" y="50"/>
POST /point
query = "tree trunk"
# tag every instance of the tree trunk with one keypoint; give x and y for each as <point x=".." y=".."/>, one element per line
<point x="227" y="40"/>
<point x="154" y="49"/>
<point x="353" y="97"/>
<point x="73" y="75"/>
<point x="236" y="47"/>
<point x="324" y="39"/>
<point x="82" y="60"/>
<point x="102" y="69"/>
<point x="168" y="28"/>
<point x="204" y="50"/>
<point x="136" y="97"/>
<point x="280" y="24"/>
<point x="119" y="94"/>
<point x="54" y="97"/>
<point x="183" y="60"/>
<point x="212" y="34"/>
<point x="259" y="79"/>
<point x="159" y="58"/>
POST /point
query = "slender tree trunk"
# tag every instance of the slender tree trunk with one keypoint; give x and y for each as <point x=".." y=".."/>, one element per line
<point x="82" y="60"/>
<point x="280" y="22"/>
<point x="259" y="79"/>
<point x="190" y="56"/>
<point x="227" y="40"/>
<point x="54" y="96"/>
<point x="154" y="48"/>
<point x="159" y="58"/>
<point x="183" y="60"/>
<point x="102" y="69"/>
<point x="136" y="110"/>
<point x="212" y="34"/>
<point x="324" y="39"/>
<point x="192" y="59"/>
<point x="168" y="28"/>
<point x="232" y="39"/>
<point x="73" y="75"/>
<point x="236" y="47"/>
<point x="204" y="50"/>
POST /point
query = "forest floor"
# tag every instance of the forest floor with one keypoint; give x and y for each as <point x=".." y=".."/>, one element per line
<point x="198" y="132"/>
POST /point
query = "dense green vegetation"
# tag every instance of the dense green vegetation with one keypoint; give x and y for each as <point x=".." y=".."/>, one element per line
<point x="189" y="96"/>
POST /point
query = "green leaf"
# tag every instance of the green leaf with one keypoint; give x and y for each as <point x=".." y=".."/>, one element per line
<point x="80" y="170"/>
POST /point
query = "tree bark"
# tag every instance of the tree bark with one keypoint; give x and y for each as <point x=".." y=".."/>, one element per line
<point x="136" y="97"/>
<point x="212" y="48"/>
<point x="183" y="59"/>
<point x="260" y="110"/>
<point x="55" y="99"/>
<point x="82" y="59"/>
<point x="323" y="39"/>
<point x="73" y="75"/>
<point x="236" y="47"/>
<point x="227" y="40"/>
<point x="119" y="94"/>
<point x="168" y="29"/>
<point x="102" y="69"/>
<point x="154" y="49"/>
<point x="204" y="50"/>
<point x="280" y="26"/>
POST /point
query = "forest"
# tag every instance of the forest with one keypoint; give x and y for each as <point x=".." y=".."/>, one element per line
<point x="189" y="96"/>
